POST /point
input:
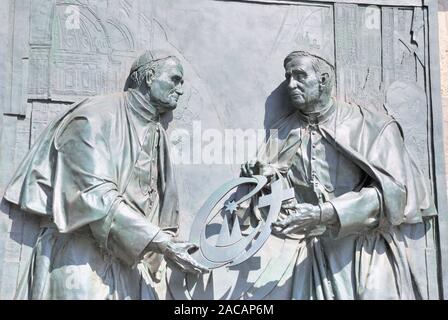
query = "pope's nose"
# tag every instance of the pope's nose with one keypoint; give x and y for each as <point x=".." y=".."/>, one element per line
<point x="292" y="83"/>
<point x="179" y="90"/>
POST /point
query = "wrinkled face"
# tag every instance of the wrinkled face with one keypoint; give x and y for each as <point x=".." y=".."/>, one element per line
<point x="303" y="83"/>
<point x="166" y="87"/>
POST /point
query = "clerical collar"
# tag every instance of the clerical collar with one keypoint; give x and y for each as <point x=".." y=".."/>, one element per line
<point x="141" y="105"/>
<point x="320" y="117"/>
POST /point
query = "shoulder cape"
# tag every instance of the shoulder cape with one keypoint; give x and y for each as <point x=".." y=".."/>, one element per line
<point x="374" y="141"/>
<point x="32" y="187"/>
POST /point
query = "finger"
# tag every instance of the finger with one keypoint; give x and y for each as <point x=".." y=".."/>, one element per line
<point x="278" y="224"/>
<point x="288" y="220"/>
<point x="289" y="230"/>
<point x="180" y="264"/>
<point x="262" y="168"/>
<point x="197" y="265"/>
<point x="305" y="206"/>
<point x="186" y="269"/>
<point x="252" y="167"/>
<point x="170" y="232"/>
<point x="277" y="230"/>
<point x="173" y="264"/>
<point x="184" y="261"/>
<point x="244" y="170"/>
<point x="281" y="227"/>
<point x="189" y="269"/>
<point x="188" y="260"/>
<point x="194" y="266"/>
<point x="201" y="269"/>
<point x="309" y="207"/>
<point x="282" y="215"/>
<point x="190" y="247"/>
<point x="289" y="205"/>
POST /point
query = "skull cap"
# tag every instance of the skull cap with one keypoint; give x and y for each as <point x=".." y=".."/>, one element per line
<point x="149" y="56"/>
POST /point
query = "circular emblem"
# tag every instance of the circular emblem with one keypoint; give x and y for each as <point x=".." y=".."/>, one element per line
<point x="223" y="247"/>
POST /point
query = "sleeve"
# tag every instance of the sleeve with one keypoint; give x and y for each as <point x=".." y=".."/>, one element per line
<point x="357" y="212"/>
<point x="86" y="193"/>
<point x="405" y="189"/>
<point x="398" y="195"/>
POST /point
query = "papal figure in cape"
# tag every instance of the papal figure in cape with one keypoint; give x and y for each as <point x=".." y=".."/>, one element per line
<point x="101" y="178"/>
<point x="360" y="201"/>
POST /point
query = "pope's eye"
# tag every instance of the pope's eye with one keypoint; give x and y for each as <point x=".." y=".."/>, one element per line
<point x="299" y="75"/>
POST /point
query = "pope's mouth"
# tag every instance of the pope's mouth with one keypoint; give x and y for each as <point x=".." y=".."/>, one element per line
<point x="296" y="94"/>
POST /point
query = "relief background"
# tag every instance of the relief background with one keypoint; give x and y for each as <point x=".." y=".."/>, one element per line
<point x="232" y="53"/>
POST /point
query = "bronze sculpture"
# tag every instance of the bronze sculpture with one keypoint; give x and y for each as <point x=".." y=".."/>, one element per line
<point x="356" y="188"/>
<point x="102" y="180"/>
<point x="385" y="53"/>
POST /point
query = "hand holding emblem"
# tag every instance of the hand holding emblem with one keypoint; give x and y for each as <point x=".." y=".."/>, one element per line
<point x="304" y="217"/>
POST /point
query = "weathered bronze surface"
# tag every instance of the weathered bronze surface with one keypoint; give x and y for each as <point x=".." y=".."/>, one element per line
<point x="359" y="200"/>
<point x="359" y="140"/>
<point x="359" y="194"/>
<point x="102" y="178"/>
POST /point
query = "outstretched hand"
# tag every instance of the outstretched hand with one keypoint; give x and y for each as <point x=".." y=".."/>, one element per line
<point x="178" y="255"/>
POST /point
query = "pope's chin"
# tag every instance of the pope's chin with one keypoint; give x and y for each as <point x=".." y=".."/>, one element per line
<point x="167" y="107"/>
<point x="297" y="101"/>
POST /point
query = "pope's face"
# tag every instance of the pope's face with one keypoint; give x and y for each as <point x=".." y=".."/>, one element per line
<point x="166" y="88"/>
<point x="303" y="84"/>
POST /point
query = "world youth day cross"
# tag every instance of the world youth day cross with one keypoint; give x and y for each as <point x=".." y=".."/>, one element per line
<point x="227" y="249"/>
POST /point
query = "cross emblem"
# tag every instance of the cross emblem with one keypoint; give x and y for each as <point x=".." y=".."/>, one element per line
<point x="284" y="194"/>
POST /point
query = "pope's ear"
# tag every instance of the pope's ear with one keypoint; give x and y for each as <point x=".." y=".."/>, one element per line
<point x="324" y="79"/>
<point x="149" y="77"/>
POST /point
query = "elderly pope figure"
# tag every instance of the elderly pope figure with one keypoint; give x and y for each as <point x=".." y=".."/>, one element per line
<point x="101" y="178"/>
<point x="359" y="198"/>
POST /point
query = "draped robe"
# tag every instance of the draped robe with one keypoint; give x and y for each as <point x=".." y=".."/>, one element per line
<point x="101" y="178"/>
<point x="355" y="159"/>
